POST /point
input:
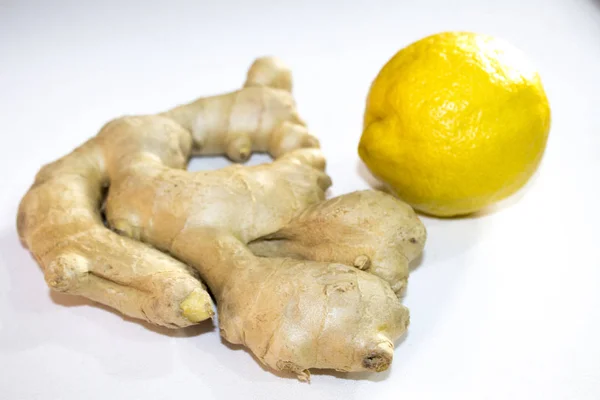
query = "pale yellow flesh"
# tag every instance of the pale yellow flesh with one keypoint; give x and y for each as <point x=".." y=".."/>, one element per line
<point x="292" y="314"/>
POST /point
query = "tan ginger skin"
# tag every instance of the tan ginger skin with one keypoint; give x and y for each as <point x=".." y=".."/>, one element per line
<point x="302" y="282"/>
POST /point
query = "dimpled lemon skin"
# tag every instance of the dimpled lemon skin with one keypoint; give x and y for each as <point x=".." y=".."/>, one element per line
<point x="455" y="122"/>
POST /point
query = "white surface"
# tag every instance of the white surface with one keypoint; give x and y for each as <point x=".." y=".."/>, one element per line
<point x="503" y="306"/>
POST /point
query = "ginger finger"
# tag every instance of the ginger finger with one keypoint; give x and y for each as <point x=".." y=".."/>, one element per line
<point x="171" y="298"/>
<point x="261" y="117"/>
<point x="289" y="136"/>
<point x="270" y="72"/>
<point x="154" y="203"/>
<point x="312" y="157"/>
<point x="60" y="222"/>
<point x="370" y="230"/>
<point x="239" y="147"/>
<point x="296" y="315"/>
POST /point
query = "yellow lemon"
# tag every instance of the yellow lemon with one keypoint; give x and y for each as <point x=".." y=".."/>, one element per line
<point x="455" y="122"/>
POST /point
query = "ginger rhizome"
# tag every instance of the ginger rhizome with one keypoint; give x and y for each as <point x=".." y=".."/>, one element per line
<point x="303" y="282"/>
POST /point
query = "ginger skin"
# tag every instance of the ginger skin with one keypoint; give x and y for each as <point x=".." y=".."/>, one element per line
<point x="369" y="230"/>
<point x="295" y="315"/>
<point x="298" y="308"/>
<point x="59" y="221"/>
<point x="261" y="117"/>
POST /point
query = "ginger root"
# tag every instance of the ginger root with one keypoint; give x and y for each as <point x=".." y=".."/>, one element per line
<point x="320" y="290"/>
<point x="59" y="220"/>
<point x="369" y="230"/>
<point x="295" y="315"/>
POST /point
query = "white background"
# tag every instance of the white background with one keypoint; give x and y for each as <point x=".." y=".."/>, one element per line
<point x="504" y="305"/>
